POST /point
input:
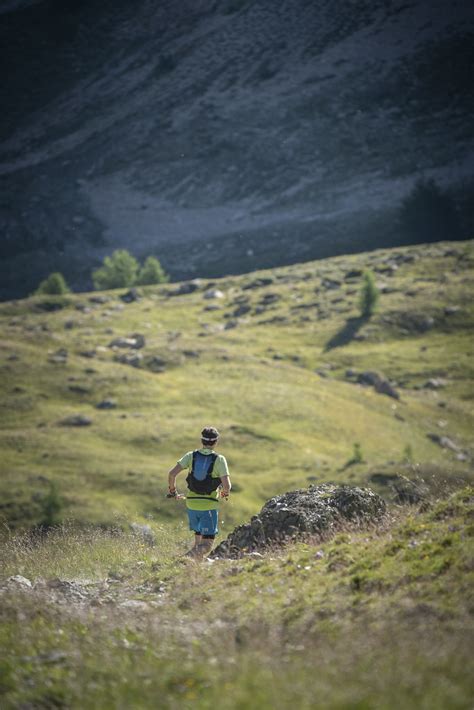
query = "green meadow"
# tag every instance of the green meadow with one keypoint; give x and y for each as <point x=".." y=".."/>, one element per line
<point x="263" y="363"/>
<point x="94" y="616"/>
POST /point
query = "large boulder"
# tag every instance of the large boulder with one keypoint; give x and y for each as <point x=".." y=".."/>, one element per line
<point x="316" y="510"/>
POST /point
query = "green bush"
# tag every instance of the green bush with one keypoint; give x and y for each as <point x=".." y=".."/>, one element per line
<point x="369" y="295"/>
<point x="54" y="285"/>
<point x="118" y="270"/>
<point x="151" y="273"/>
<point x="51" y="507"/>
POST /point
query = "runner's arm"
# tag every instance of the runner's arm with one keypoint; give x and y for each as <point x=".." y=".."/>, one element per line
<point x="226" y="485"/>
<point x="172" y="476"/>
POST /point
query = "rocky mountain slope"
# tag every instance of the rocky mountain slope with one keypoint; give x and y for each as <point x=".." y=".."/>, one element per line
<point x="240" y="133"/>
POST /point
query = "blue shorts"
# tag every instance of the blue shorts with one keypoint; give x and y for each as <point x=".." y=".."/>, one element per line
<point x="203" y="522"/>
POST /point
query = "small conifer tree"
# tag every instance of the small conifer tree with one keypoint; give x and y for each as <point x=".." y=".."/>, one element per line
<point x="369" y="295"/>
<point x="118" y="270"/>
<point x="152" y="273"/>
<point x="54" y="285"/>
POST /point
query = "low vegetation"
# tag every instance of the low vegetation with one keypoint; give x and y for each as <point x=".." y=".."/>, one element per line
<point x="101" y="393"/>
<point x="370" y="618"/>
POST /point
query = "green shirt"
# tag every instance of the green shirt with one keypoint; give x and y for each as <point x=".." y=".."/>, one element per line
<point x="220" y="469"/>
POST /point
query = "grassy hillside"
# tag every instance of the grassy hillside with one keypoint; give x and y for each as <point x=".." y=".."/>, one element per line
<point x="266" y="362"/>
<point x="370" y="619"/>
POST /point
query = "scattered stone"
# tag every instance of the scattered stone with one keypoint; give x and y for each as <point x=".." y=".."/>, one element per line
<point x="186" y="288"/>
<point x="451" y="310"/>
<point x="130" y="296"/>
<point x="132" y="359"/>
<point x="135" y="341"/>
<point x="353" y="274"/>
<point x="107" y="404"/>
<point x="156" y="364"/>
<point x="258" y="283"/>
<point x="378" y="382"/>
<point x="331" y="284"/>
<point x="269" y="298"/>
<point x="88" y="353"/>
<point x="191" y="353"/>
<point x="435" y="383"/>
<point x="20" y="581"/>
<point x="70" y="324"/>
<point x="59" y="357"/>
<point x="241" y="311"/>
<point x="75" y="420"/>
<point x="231" y="324"/>
<point x="134" y="604"/>
<point x="79" y="389"/>
<point x="444" y="441"/>
<point x="350" y="373"/>
<point x="315" y="510"/>
<point x="213" y="293"/>
<point x="144" y="532"/>
<point x="212" y="307"/>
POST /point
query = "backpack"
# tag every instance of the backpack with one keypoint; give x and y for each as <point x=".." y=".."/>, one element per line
<point x="200" y="479"/>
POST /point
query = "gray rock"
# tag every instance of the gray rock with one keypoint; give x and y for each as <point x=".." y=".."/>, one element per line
<point x="107" y="404"/>
<point x="451" y="310"/>
<point x="76" y="420"/>
<point x="353" y="274"/>
<point x="144" y="532"/>
<point x="258" y="283"/>
<point x="59" y="357"/>
<point x="132" y="359"/>
<point x="444" y="441"/>
<point x="312" y="511"/>
<point x="435" y="383"/>
<point x="186" y="288"/>
<point x="378" y="382"/>
<point x="213" y="293"/>
<point x="19" y="581"/>
<point x="130" y="296"/>
<point x="135" y="341"/>
<point x="331" y="284"/>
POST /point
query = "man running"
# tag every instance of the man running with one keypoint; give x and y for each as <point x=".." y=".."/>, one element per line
<point x="207" y="480"/>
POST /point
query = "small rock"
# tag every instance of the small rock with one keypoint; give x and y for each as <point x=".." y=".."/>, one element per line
<point x="444" y="441"/>
<point x="353" y="274"/>
<point x="76" y="420"/>
<point x="59" y="357"/>
<point x="134" y="604"/>
<point x="130" y="296"/>
<point x="451" y="310"/>
<point x="213" y="293"/>
<point x="107" y="404"/>
<point x="20" y="581"/>
<point x="435" y="383"/>
<point x="257" y="283"/>
<point x="132" y="359"/>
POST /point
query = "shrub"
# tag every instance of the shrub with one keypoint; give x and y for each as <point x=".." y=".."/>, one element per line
<point x="369" y="295"/>
<point x="54" y="285"/>
<point x="151" y="273"/>
<point x="118" y="270"/>
<point x="428" y="214"/>
<point x="51" y="507"/>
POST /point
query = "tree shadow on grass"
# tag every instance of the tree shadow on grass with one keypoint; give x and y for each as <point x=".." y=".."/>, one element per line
<point x="347" y="333"/>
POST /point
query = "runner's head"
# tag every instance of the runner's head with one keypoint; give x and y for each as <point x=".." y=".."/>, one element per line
<point x="209" y="436"/>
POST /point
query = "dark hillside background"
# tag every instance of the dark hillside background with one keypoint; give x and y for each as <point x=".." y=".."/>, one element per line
<point x="227" y="136"/>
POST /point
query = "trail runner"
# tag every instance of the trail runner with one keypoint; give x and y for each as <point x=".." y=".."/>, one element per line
<point x="208" y="480"/>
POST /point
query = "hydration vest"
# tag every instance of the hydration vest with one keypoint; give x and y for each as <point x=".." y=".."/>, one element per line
<point x="200" y="479"/>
